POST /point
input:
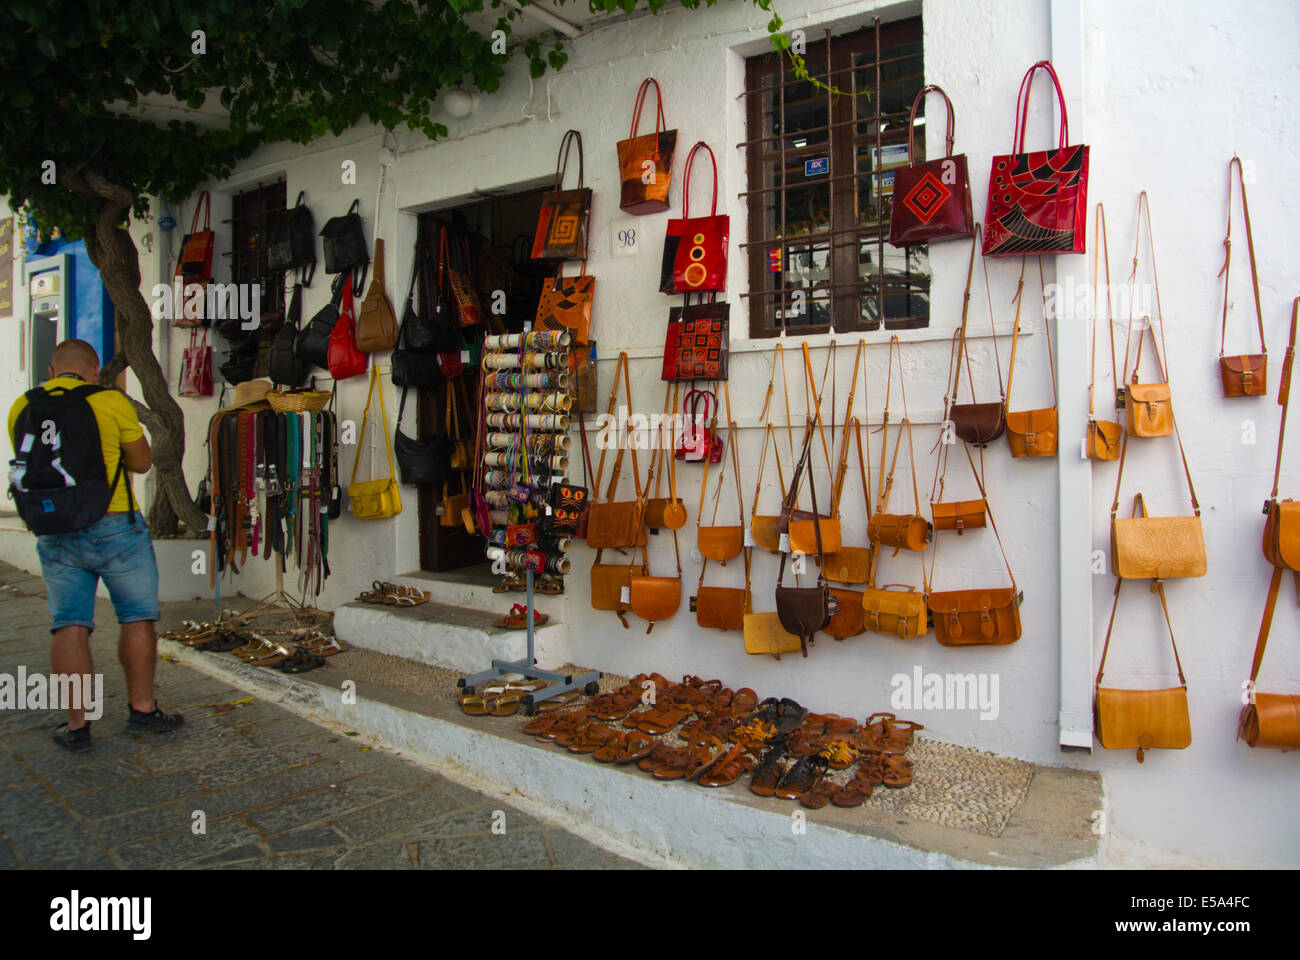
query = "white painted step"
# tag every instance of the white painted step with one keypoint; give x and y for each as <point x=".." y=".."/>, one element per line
<point x="455" y="637"/>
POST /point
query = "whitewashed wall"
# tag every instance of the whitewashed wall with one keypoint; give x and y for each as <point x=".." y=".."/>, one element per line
<point x="1168" y="99"/>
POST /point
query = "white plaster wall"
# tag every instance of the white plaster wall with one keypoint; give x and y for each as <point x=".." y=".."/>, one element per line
<point x="1169" y="98"/>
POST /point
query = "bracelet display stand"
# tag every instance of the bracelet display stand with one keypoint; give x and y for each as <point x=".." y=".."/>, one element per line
<point x="559" y="683"/>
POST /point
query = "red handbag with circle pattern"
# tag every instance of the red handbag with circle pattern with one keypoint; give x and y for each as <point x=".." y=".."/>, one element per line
<point x="695" y="248"/>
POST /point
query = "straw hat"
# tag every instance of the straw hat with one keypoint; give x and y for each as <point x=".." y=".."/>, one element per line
<point x="251" y="394"/>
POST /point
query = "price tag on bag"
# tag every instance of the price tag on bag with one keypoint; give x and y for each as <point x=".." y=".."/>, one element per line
<point x="749" y="537"/>
<point x="784" y="545"/>
<point x="625" y="595"/>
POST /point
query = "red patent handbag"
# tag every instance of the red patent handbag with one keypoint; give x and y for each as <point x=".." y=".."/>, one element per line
<point x="696" y="344"/>
<point x="343" y="357"/>
<point x="695" y="248"/>
<point x="1038" y="202"/>
<point x="932" y="198"/>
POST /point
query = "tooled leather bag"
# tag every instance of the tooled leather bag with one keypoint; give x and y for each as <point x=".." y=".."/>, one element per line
<point x="931" y="199"/>
<point x="1142" y="720"/>
<point x="975" y="422"/>
<point x="804" y="610"/>
<point x="647" y="153"/>
<point x="1282" y="528"/>
<point x="1103" y="435"/>
<point x="1269" y="719"/>
<point x="1032" y="433"/>
<point x="1156" y="548"/>
<point x="1244" y="375"/>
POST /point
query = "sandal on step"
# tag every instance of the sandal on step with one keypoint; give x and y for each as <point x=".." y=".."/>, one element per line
<point x="822" y="793"/>
<point x="898" y="772"/>
<point x="729" y="768"/>
<point x="769" y="772"/>
<point x="299" y="662"/>
<point x="852" y="793"/>
<point x="801" y="778"/>
<point x="517" y="618"/>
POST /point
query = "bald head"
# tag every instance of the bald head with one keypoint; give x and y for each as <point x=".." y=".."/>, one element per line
<point x="75" y="356"/>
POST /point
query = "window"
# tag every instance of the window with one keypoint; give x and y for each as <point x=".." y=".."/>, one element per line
<point x="819" y="186"/>
<point x="254" y="215"/>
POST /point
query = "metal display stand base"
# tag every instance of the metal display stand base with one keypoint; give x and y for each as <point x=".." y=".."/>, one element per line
<point x="560" y="683"/>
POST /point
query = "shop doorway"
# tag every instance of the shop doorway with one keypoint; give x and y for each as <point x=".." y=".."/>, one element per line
<point x="491" y="240"/>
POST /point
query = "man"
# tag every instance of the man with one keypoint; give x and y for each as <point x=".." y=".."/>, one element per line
<point x="114" y="547"/>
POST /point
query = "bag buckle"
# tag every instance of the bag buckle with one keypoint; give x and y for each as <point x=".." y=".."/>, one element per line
<point x="954" y="624"/>
<point x="959" y="524"/>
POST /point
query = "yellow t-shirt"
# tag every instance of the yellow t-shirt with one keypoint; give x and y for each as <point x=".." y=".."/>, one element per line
<point x="118" y="424"/>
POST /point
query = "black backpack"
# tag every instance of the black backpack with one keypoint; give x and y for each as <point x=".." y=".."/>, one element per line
<point x="293" y="243"/>
<point x="285" y="366"/>
<point x="345" y="246"/>
<point x="60" y="487"/>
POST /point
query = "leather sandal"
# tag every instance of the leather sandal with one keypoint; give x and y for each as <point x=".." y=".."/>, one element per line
<point x="822" y="793"/>
<point x="898" y="772"/>
<point x="729" y="768"/>
<point x="657" y="757"/>
<point x="899" y="733"/>
<point x="871" y="768"/>
<point x="801" y="778"/>
<point x="769" y="772"/>
<point x="852" y="794"/>
<point x="839" y="755"/>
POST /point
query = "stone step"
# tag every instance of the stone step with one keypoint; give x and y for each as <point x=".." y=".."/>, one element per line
<point x="412" y="709"/>
<point x="445" y="635"/>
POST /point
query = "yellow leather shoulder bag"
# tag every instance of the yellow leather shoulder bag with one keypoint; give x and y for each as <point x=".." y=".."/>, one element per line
<point x="379" y="498"/>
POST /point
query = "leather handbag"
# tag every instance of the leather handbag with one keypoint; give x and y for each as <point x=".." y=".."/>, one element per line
<point x="765" y="634"/>
<point x="895" y="612"/>
<point x="462" y="451"/>
<point x="194" y="265"/>
<point x="975" y="422"/>
<point x="989" y="616"/>
<point x="696" y="344"/>
<point x="1156" y="548"/>
<point x="421" y="461"/>
<point x="381" y="497"/>
<point x="1282" y="528"/>
<point x="293" y="241"/>
<point x="765" y="530"/>
<point x="910" y="531"/>
<point x="849" y="619"/>
<point x="616" y="523"/>
<point x="1032" y="433"/>
<point x="804" y="610"/>
<point x="695" y="248"/>
<point x="284" y="366"/>
<point x="931" y="199"/>
<point x="699" y="442"/>
<point x="611" y="586"/>
<point x="377" y="324"/>
<point x="313" y="342"/>
<point x="196" y="367"/>
<point x="582" y="376"/>
<point x="722" y="608"/>
<point x="565" y="305"/>
<point x="1148" y="407"/>
<point x="344" y="242"/>
<point x="460" y="280"/>
<point x="1269" y="719"/>
<point x="959" y="515"/>
<point x="1103" y="435"/>
<point x="240" y="364"/>
<point x="344" y="359"/>
<point x="428" y="329"/>
<point x="645" y="162"/>
<point x="665" y="512"/>
<point x="715" y="542"/>
<point x="810" y="534"/>
<point x="1142" y="719"/>
<point x="1245" y="375"/>
<point x="656" y="598"/>
<point x="1038" y="202"/>
<point x="562" y="222"/>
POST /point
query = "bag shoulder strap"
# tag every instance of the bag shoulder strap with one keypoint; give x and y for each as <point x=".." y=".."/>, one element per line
<point x="686" y="180"/>
<point x="1284" y="393"/>
<point x="562" y="159"/>
<point x="1101" y="244"/>
<point x="641" y="93"/>
<point x="1266" y="623"/>
<point x="1159" y="588"/>
<point x="203" y="206"/>
<point x="1022" y="106"/>
<point x="1187" y="470"/>
<point x="1144" y="206"/>
<point x="383" y="411"/>
<point x="1227" y="258"/>
<point x="1015" y="330"/>
<point x="837" y="489"/>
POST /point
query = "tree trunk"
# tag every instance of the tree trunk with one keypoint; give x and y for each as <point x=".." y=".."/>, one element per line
<point x="113" y="253"/>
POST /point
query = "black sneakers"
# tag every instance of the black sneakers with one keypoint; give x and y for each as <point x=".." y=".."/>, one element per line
<point x="78" y="741"/>
<point x="156" y="722"/>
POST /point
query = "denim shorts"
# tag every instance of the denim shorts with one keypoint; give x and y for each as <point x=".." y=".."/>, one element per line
<point x="116" y="549"/>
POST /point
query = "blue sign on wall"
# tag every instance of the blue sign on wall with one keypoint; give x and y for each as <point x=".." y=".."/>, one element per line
<point x="92" y="309"/>
<point x="817" y="166"/>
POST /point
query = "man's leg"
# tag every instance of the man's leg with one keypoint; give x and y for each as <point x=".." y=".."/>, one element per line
<point x="70" y="656"/>
<point x="137" y="651"/>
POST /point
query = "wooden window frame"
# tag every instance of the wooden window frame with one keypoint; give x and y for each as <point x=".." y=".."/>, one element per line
<point x="832" y="61"/>
<point x="254" y="215"/>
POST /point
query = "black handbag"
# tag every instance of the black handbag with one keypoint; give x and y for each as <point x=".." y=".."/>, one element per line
<point x="293" y="243"/>
<point x="241" y="361"/>
<point x="421" y="461"/>
<point x="345" y="246"/>
<point x="313" y="342"/>
<point x="284" y="365"/>
<point x="412" y="368"/>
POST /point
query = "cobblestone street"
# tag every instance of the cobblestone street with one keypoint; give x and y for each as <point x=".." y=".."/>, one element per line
<point x="275" y="791"/>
